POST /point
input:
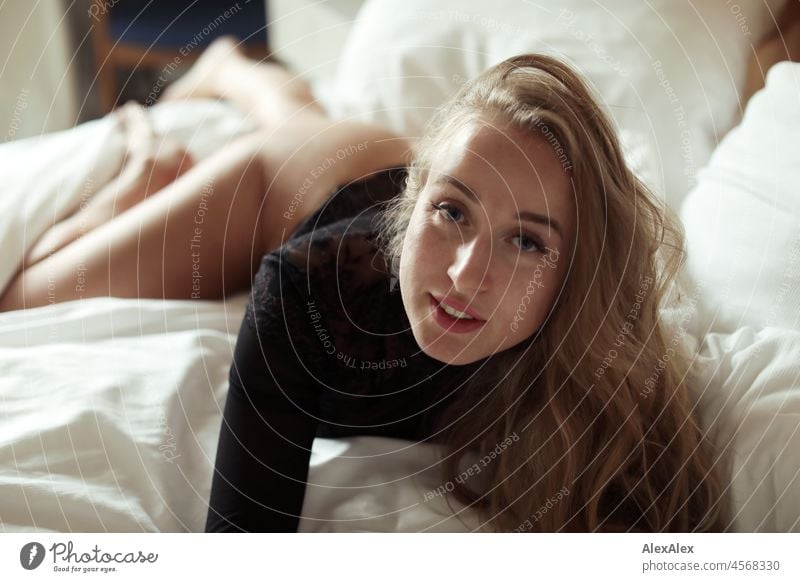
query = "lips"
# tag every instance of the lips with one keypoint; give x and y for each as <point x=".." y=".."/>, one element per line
<point x="450" y="323"/>
<point x="458" y="306"/>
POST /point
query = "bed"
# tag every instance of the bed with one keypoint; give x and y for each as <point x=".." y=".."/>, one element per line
<point x="111" y="407"/>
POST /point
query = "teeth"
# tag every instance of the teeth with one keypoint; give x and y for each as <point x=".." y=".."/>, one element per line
<point x="454" y="313"/>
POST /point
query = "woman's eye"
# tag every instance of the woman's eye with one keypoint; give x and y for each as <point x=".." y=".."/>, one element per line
<point x="450" y="213"/>
<point x="527" y="244"/>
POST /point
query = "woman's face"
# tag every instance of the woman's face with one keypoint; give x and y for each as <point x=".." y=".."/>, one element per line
<point x="490" y="238"/>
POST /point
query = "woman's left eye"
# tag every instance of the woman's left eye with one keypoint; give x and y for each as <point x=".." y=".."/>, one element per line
<point x="447" y="211"/>
<point x="527" y="244"/>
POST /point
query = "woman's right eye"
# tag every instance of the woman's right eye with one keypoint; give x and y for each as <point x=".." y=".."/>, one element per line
<point x="447" y="211"/>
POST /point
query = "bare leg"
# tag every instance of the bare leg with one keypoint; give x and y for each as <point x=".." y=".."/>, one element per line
<point x="150" y="164"/>
<point x="224" y="72"/>
<point x="203" y="235"/>
<point x="147" y="251"/>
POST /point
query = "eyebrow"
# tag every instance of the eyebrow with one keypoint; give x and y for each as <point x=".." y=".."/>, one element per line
<point x="534" y="217"/>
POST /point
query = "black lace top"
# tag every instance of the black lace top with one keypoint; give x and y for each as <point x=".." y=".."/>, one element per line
<point x="325" y="349"/>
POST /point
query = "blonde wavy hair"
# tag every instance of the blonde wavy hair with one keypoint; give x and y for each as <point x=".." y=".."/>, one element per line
<point x="591" y="415"/>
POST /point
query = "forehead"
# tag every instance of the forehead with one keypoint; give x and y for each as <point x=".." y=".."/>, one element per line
<point x="505" y="167"/>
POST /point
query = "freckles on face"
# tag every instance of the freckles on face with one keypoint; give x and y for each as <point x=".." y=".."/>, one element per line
<point x="484" y="255"/>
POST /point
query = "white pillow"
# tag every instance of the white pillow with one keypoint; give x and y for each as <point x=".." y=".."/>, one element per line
<point x="747" y="396"/>
<point x="646" y="60"/>
<point x="743" y="218"/>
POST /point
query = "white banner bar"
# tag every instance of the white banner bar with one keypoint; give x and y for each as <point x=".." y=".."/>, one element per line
<point x="371" y="557"/>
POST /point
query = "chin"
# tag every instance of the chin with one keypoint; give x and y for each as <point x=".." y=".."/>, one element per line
<point x="455" y="357"/>
<point x="443" y="358"/>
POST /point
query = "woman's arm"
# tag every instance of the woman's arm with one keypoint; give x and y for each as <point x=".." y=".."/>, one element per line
<point x="269" y="422"/>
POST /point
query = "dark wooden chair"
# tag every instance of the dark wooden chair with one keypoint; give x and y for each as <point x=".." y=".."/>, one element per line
<point x="168" y="35"/>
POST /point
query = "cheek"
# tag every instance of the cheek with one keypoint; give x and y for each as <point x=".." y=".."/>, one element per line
<point x="411" y="261"/>
<point x="417" y="260"/>
<point x="531" y="297"/>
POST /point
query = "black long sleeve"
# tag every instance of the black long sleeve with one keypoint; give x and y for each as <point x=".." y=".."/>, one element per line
<point x="325" y="350"/>
<point x="269" y="422"/>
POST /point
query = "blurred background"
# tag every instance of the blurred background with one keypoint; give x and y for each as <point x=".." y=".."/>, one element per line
<point x="69" y="61"/>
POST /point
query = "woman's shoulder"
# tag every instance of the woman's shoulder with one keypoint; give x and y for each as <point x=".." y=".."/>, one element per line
<point x="330" y="292"/>
<point x="355" y="198"/>
<point x="338" y="268"/>
<point x="332" y="279"/>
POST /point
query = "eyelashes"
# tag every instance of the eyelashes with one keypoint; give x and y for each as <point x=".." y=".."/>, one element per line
<point x="535" y="246"/>
<point x="529" y="244"/>
<point x="446" y="209"/>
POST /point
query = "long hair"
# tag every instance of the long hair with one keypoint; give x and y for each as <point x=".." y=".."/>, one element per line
<point x="588" y="425"/>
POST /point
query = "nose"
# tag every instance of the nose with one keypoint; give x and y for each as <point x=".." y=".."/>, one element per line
<point x="469" y="272"/>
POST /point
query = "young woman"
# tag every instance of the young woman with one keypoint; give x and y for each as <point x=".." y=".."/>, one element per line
<point x="505" y="289"/>
<point x="499" y="293"/>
